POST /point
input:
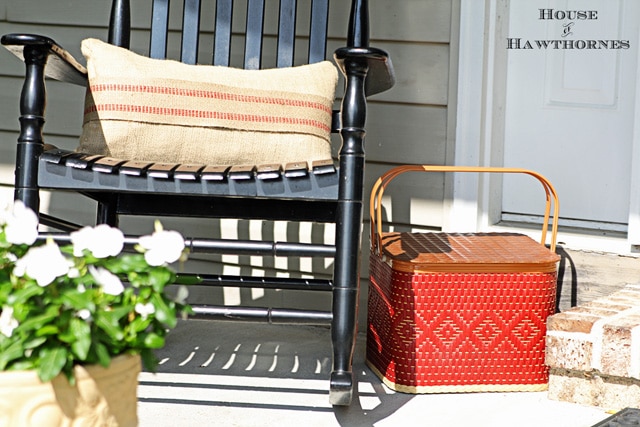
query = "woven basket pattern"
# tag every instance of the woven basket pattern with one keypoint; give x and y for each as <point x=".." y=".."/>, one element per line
<point x="458" y="332"/>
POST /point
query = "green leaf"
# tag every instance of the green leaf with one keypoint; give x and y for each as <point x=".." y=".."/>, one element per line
<point x="52" y="360"/>
<point x="6" y="288"/>
<point x="82" y="332"/>
<point x="159" y="278"/>
<point x="139" y="324"/>
<point x="149" y="360"/>
<point x="76" y="299"/>
<point x="145" y="293"/>
<point x="36" y="342"/>
<point x="102" y="352"/>
<point x="108" y="322"/>
<point x="122" y="311"/>
<point x="23" y="365"/>
<point x="127" y="263"/>
<point x="13" y="351"/>
<point x="47" y="330"/>
<point x="153" y="340"/>
<point x="38" y="322"/>
<point x="24" y="294"/>
<point x="163" y="312"/>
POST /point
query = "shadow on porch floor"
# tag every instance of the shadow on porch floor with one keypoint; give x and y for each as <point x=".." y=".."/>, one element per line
<point x="248" y="374"/>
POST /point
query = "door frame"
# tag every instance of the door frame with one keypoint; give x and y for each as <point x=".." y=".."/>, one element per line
<point x="475" y="201"/>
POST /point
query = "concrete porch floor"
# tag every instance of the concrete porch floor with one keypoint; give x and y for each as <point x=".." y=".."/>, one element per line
<point x="246" y="374"/>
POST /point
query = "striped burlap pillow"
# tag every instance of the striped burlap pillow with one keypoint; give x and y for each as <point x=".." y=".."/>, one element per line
<point x="161" y="110"/>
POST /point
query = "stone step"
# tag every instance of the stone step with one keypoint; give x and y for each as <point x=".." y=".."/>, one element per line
<point x="593" y="351"/>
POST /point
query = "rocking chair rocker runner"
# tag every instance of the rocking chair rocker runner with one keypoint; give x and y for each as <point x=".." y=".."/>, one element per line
<point x="302" y="190"/>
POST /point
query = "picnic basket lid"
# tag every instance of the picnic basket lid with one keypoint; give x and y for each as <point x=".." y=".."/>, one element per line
<point x="466" y="253"/>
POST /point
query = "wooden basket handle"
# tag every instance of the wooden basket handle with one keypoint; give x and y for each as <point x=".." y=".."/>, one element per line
<point x="377" y="191"/>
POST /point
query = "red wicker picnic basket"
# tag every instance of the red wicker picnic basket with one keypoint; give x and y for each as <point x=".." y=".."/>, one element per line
<point x="459" y="312"/>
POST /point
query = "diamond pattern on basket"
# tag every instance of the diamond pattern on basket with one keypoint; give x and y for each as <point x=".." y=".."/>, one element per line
<point x="449" y="332"/>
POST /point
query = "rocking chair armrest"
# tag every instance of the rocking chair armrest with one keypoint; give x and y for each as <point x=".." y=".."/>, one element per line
<point x="61" y="65"/>
<point x="380" y="75"/>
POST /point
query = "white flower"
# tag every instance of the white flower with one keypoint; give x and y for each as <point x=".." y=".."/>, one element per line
<point x="145" y="310"/>
<point x="182" y="295"/>
<point x="162" y="246"/>
<point x="5" y="212"/>
<point x="21" y="225"/>
<point x="73" y="273"/>
<point x="84" y="314"/>
<point x="102" y="241"/>
<point x="42" y="263"/>
<point x="110" y="283"/>
<point x="7" y="322"/>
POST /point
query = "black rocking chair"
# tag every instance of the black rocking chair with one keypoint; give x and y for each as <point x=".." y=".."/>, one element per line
<point x="318" y="191"/>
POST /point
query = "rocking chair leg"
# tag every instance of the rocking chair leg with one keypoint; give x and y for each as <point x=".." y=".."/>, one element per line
<point x="348" y="236"/>
<point x="345" y="303"/>
<point x="343" y="336"/>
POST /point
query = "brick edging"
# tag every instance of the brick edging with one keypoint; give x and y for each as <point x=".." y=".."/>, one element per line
<point x="602" y="335"/>
<point x="593" y="351"/>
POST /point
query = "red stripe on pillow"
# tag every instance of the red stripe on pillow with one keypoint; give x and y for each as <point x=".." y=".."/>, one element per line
<point x="197" y="93"/>
<point x="219" y="115"/>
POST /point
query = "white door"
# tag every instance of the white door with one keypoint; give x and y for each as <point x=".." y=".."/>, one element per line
<point x="569" y="113"/>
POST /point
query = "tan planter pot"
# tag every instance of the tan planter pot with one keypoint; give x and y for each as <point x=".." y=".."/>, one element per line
<point x="101" y="397"/>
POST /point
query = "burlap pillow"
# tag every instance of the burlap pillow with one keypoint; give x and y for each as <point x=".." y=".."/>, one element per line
<point x="166" y="111"/>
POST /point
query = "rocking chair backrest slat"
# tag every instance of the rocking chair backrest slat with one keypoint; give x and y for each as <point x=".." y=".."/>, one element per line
<point x="159" y="29"/>
<point x="286" y="33"/>
<point x="190" y="31"/>
<point x="318" y="32"/>
<point x="222" y="37"/>
<point x="253" y="42"/>
<point x="254" y="39"/>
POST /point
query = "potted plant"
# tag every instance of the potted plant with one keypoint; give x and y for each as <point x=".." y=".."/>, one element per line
<point x="76" y="321"/>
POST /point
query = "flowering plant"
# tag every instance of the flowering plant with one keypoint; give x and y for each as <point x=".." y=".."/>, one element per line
<point x="62" y="306"/>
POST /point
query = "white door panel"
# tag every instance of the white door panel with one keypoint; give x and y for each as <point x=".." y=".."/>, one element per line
<point x="570" y="112"/>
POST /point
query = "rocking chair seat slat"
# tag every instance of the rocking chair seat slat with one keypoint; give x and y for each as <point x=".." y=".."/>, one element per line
<point x="135" y="168"/>
<point x="320" y="167"/>
<point x="296" y="170"/>
<point x="214" y="173"/>
<point x="161" y="170"/>
<point x="55" y="156"/>
<point x="241" y="172"/>
<point x="82" y="161"/>
<point x="188" y="172"/>
<point x="273" y="171"/>
<point x="67" y="169"/>
<point x="107" y="165"/>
